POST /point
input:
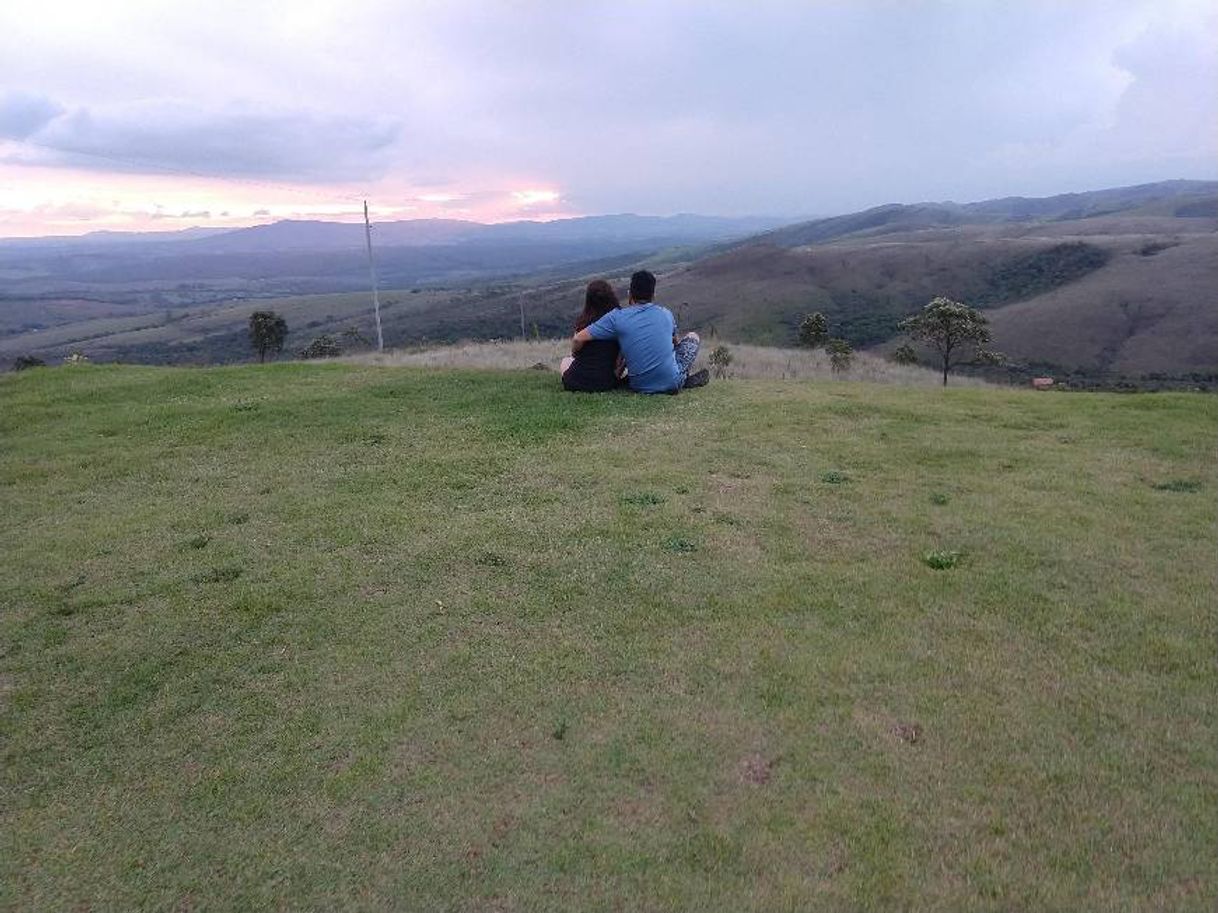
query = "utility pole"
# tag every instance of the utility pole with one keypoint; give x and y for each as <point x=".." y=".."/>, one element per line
<point x="376" y="300"/>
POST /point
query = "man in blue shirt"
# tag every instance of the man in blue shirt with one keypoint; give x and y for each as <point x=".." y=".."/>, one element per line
<point x="657" y="361"/>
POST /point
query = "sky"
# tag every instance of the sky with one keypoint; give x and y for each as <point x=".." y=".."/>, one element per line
<point x="140" y="115"/>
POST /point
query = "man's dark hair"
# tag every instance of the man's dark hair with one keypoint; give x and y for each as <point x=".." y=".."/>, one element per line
<point x="642" y="286"/>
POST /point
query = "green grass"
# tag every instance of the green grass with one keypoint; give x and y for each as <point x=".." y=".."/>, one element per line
<point x="318" y="637"/>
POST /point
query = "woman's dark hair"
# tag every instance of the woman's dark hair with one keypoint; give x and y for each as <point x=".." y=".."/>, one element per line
<point x="599" y="300"/>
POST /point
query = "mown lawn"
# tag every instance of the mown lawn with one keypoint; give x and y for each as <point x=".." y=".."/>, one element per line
<point x="333" y="637"/>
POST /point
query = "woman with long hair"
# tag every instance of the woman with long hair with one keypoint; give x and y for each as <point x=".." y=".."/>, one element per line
<point x="595" y="368"/>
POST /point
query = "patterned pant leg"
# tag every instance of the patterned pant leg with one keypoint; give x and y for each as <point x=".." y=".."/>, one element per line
<point x="687" y="353"/>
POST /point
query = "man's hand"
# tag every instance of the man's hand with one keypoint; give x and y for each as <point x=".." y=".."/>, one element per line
<point x="578" y="340"/>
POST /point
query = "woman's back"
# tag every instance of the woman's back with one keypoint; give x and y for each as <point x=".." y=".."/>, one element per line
<point x="593" y="369"/>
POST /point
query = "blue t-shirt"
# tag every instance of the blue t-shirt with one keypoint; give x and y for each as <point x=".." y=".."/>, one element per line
<point x="644" y="332"/>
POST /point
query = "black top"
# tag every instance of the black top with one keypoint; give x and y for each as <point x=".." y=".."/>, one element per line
<point x="592" y="370"/>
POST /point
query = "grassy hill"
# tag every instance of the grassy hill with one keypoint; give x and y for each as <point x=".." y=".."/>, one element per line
<point x="347" y="637"/>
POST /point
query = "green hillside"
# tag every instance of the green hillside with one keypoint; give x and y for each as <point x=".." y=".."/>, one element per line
<point x="321" y="637"/>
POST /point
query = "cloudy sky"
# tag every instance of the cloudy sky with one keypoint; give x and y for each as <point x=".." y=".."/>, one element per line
<point x="138" y="115"/>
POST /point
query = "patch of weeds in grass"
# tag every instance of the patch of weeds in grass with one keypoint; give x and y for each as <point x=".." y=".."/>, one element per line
<point x="245" y="406"/>
<point x="941" y="560"/>
<point x="237" y="519"/>
<point x="939" y="499"/>
<point x="225" y="574"/>
<point x="834" y="477"/>
<point x="491" y="559"/>
<point x="1182" y="485"/>
<point x="643" y="499"/>
<point x="199" y="541"/>
<point x="69" y="586"/>
<point x="560" y="731"/>
<point x="680" y="545"/>
<point x="726" y="519"/>
<point x="681" y="490"/>
<point x="256" y="606"/>
<point x="711" y="852"/>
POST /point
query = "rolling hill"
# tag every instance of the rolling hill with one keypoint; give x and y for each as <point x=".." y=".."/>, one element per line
<point x="1115" y="282"/>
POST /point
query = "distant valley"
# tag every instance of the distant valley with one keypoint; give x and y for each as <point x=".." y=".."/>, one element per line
<point x="1114" y="282"/>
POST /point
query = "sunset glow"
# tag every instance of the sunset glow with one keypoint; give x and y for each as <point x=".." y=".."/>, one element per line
<point x="48" y="201"/>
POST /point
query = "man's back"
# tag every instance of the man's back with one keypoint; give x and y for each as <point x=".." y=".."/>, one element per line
<point x="644" y="331"/>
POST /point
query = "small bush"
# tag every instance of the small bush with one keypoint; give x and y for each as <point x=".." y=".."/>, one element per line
<point x="324" y="346"/>
<point x="679" y="544"/>
<point x="834" y="477"/>
<point x="1177" y="485"/>
<point x="841" y="355"/>
<point x="643" y="499"/>
<point x="941" y="561"/>
<point x="939" y="499"/>
<point x="904" y="355"/>
<point x="25" y="362"/>
<point x="720" y="360"/>
<point x="218" y="575"/>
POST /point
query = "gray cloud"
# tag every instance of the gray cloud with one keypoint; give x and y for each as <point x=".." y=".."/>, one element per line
<point x="695" y="105"/>
<point x="234" y="141"/>
<point x="23" y="114"/>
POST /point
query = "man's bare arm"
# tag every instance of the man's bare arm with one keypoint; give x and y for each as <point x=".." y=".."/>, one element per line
<point x="578" y="340"/>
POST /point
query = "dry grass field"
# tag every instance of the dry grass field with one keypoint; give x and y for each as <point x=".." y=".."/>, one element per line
<point x="749" y="362"/>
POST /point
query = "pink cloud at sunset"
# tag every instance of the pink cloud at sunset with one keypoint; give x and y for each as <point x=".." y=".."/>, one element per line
<point x="49" y="201"/>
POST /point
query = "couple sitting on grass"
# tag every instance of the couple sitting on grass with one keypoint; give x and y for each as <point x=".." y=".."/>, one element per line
<point x="635" y="345"/>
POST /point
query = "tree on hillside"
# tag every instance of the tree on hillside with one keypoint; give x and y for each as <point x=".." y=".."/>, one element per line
<point x="267" y="332"/>
<point x="841" y="355"/>
<point x="904" y="354"/>
<point x="954" y="330"/>
<point x="813" y="331"/>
